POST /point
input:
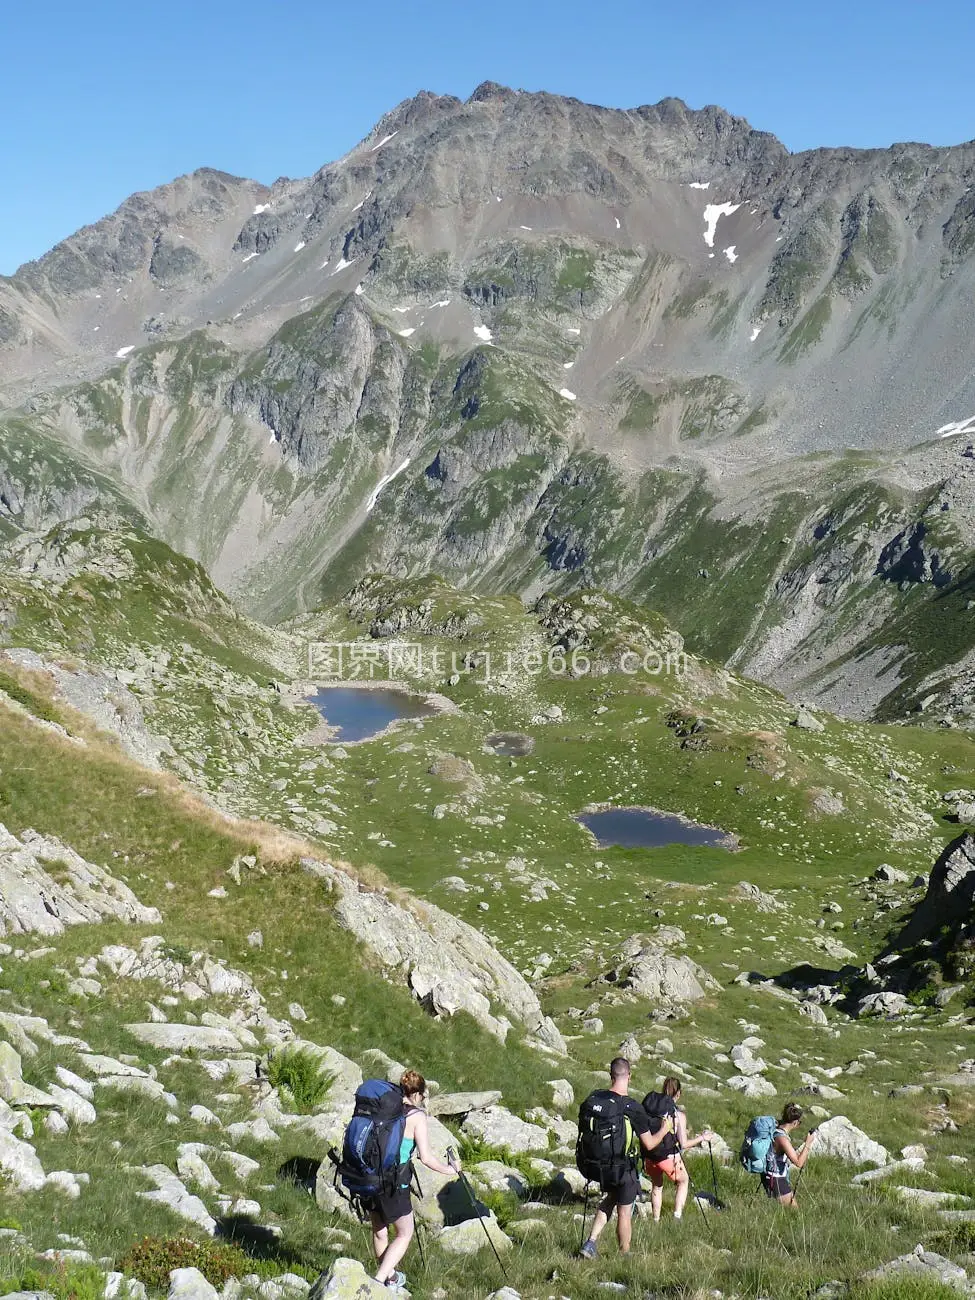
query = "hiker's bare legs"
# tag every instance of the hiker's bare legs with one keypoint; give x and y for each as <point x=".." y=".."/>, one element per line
<point x="657" y="1201"/>
<point x="683" y="1185"/>
<point x="602" y="1216"/>
<point x="624" y="1227"/>
<point x="789" y="1201"/>
<point x="380" y="1234"/>
<point x="397" y="1248"/>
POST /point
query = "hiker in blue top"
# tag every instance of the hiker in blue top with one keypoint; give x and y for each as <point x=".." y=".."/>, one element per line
<point x="782" y="1156"/>
<point x="394" y="1209"/>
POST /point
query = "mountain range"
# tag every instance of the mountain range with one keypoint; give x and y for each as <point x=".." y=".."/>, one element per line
<point x="529" y="345"/>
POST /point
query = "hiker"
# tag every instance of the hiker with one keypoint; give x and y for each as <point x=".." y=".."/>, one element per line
<point x="666" y="1161"/>
<point x="782" y="1154"/>
<point x="612" y="1126"/>
<point x="394" y="1209"/>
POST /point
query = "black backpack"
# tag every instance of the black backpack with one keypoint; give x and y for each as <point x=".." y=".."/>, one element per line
<point x="658" y="1106"/>
<point x="370" y="1164"/>
<point x="605" y="1148"/>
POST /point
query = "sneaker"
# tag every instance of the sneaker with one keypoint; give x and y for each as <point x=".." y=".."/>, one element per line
<point x="396" y="1282"/>
<point x="588" y="1250"/>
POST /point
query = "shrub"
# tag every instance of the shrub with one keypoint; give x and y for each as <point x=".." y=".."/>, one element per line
<point x="63" y="1281"/>
<point x="151" y="1260"/>
<point x="300" y="1073"/>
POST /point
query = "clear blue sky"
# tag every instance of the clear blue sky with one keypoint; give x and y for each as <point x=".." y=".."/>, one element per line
<point x="105" y="97"/>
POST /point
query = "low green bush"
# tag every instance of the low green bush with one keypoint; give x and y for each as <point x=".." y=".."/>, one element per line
<point x="300" y="1073"/>
<point x="151" y="1260"/>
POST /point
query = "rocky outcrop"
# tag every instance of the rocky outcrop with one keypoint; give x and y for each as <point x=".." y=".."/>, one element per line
<point x="46" y="886"/>
<point x="647" y="969"/>
<point x="448" y="965"/>
<point x="949" y="900"/>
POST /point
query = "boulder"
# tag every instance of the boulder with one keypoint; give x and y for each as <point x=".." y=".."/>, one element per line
<point x="21" y="1168"/>
<point x="499" y="1128"/>
<point x="807" y="721"/>
<point x="839" y="1137"/>
<point x="498" y="1177"/>
<point x="562" y="1094"/>
<point x="32" y="901"/>
<point x="348" y="1280"/>
<point x="455" y="1104"/>
<point x="78" y="1109"/>
<point x="950" y="896"/>
<point x="186" y="1038"/>
<point x="886" y="1005"/>
<point x="756" y="899"/>
<point x="190" y="1284"/>
<point x="910" y="1165"/>
<point x="171" y="1192"/>
<point x="660" y="976"/>
<point x="923" y="1264"/>
<point x="470" y="1237"/>
<point x="890" y="875"/>
<point x="13" y="1090"/>
<point x="755" y="1085"/>
<point x="745" y="1060"/>
<point x="449" y="965"/>
<point x="814" y="1012"/>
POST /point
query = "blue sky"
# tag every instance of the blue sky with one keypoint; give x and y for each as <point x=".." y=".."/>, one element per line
<point x="102" y="98"/>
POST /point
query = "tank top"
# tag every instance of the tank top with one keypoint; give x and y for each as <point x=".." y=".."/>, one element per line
<point x="407" y="1145"/>
<point x="777" y="1162"/>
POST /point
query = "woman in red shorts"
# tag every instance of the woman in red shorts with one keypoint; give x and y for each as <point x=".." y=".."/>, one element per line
<point x="665" y="1162"/>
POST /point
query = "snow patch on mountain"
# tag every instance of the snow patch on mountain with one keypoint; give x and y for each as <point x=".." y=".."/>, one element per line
<point x="712" y="215"/>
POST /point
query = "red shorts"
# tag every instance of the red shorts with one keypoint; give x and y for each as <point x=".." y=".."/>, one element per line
<point x="655" y="1170"/>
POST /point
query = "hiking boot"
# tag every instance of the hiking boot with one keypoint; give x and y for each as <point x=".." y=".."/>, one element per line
<point x="396" y="1282"/>
<point x="588" y="1250"/>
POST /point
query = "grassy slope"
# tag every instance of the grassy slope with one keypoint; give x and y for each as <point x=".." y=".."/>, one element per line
<point x="383" y="797"/>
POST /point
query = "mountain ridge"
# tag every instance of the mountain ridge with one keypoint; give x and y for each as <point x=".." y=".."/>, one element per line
<point x="523" y="341"/>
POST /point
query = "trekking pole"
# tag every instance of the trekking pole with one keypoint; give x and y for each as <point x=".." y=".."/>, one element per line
<point x="452" y="1161"/>
<point x="415" y="1181"/>
<point x="585" y="1215"/>
<point x="714" y="1174"/>
<point x="690" y="1183"/>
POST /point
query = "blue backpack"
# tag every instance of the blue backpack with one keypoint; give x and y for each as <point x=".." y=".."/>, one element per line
<point x="370" y="1164"/>
<point x="758" y="1143"/>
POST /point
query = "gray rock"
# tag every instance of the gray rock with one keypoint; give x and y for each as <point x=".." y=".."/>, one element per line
<point x="812" y="1011"/>
<point x="470" y="1237"/>
<point x="562" y="1094"/>
<point x="19" y="1164"/>
<point x="183" y="1038"/>
<point x="839" y="1137"/>
<point x="807" y="721"/>
<point x="171" y="1192"/>
<point x="461" y="1103"/>
<point x="910" y="1165"/>
<point x="755" y="1085"/>
<point x="499" y="1128"/>
<point x="924" y="1264"/>
<point x="34" y="902"/>
<point x="890" y="875"/>
<point x="346" y="1279"/>
<point x="190" y="1284"/>
<point x="449" y="966"/>
<point x="886" y="1005"/>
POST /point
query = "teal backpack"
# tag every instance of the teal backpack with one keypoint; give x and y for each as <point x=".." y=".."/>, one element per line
<point x="757" y="1143"/>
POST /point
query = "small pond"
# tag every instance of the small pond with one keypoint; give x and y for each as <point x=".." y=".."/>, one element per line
<point x="360" y="714"/>
<point x="643" y="828"/>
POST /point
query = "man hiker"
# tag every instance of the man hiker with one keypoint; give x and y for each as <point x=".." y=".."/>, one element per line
<point x="782" y="1156"/>
<point x="616" y="1120"/>
<point x="666" y="1161"/>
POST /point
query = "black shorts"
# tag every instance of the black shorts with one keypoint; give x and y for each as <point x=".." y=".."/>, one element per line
<point x="390" y="1206"/>
<point x="626" y="1190"/>
<point x="776" y="1186"/>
